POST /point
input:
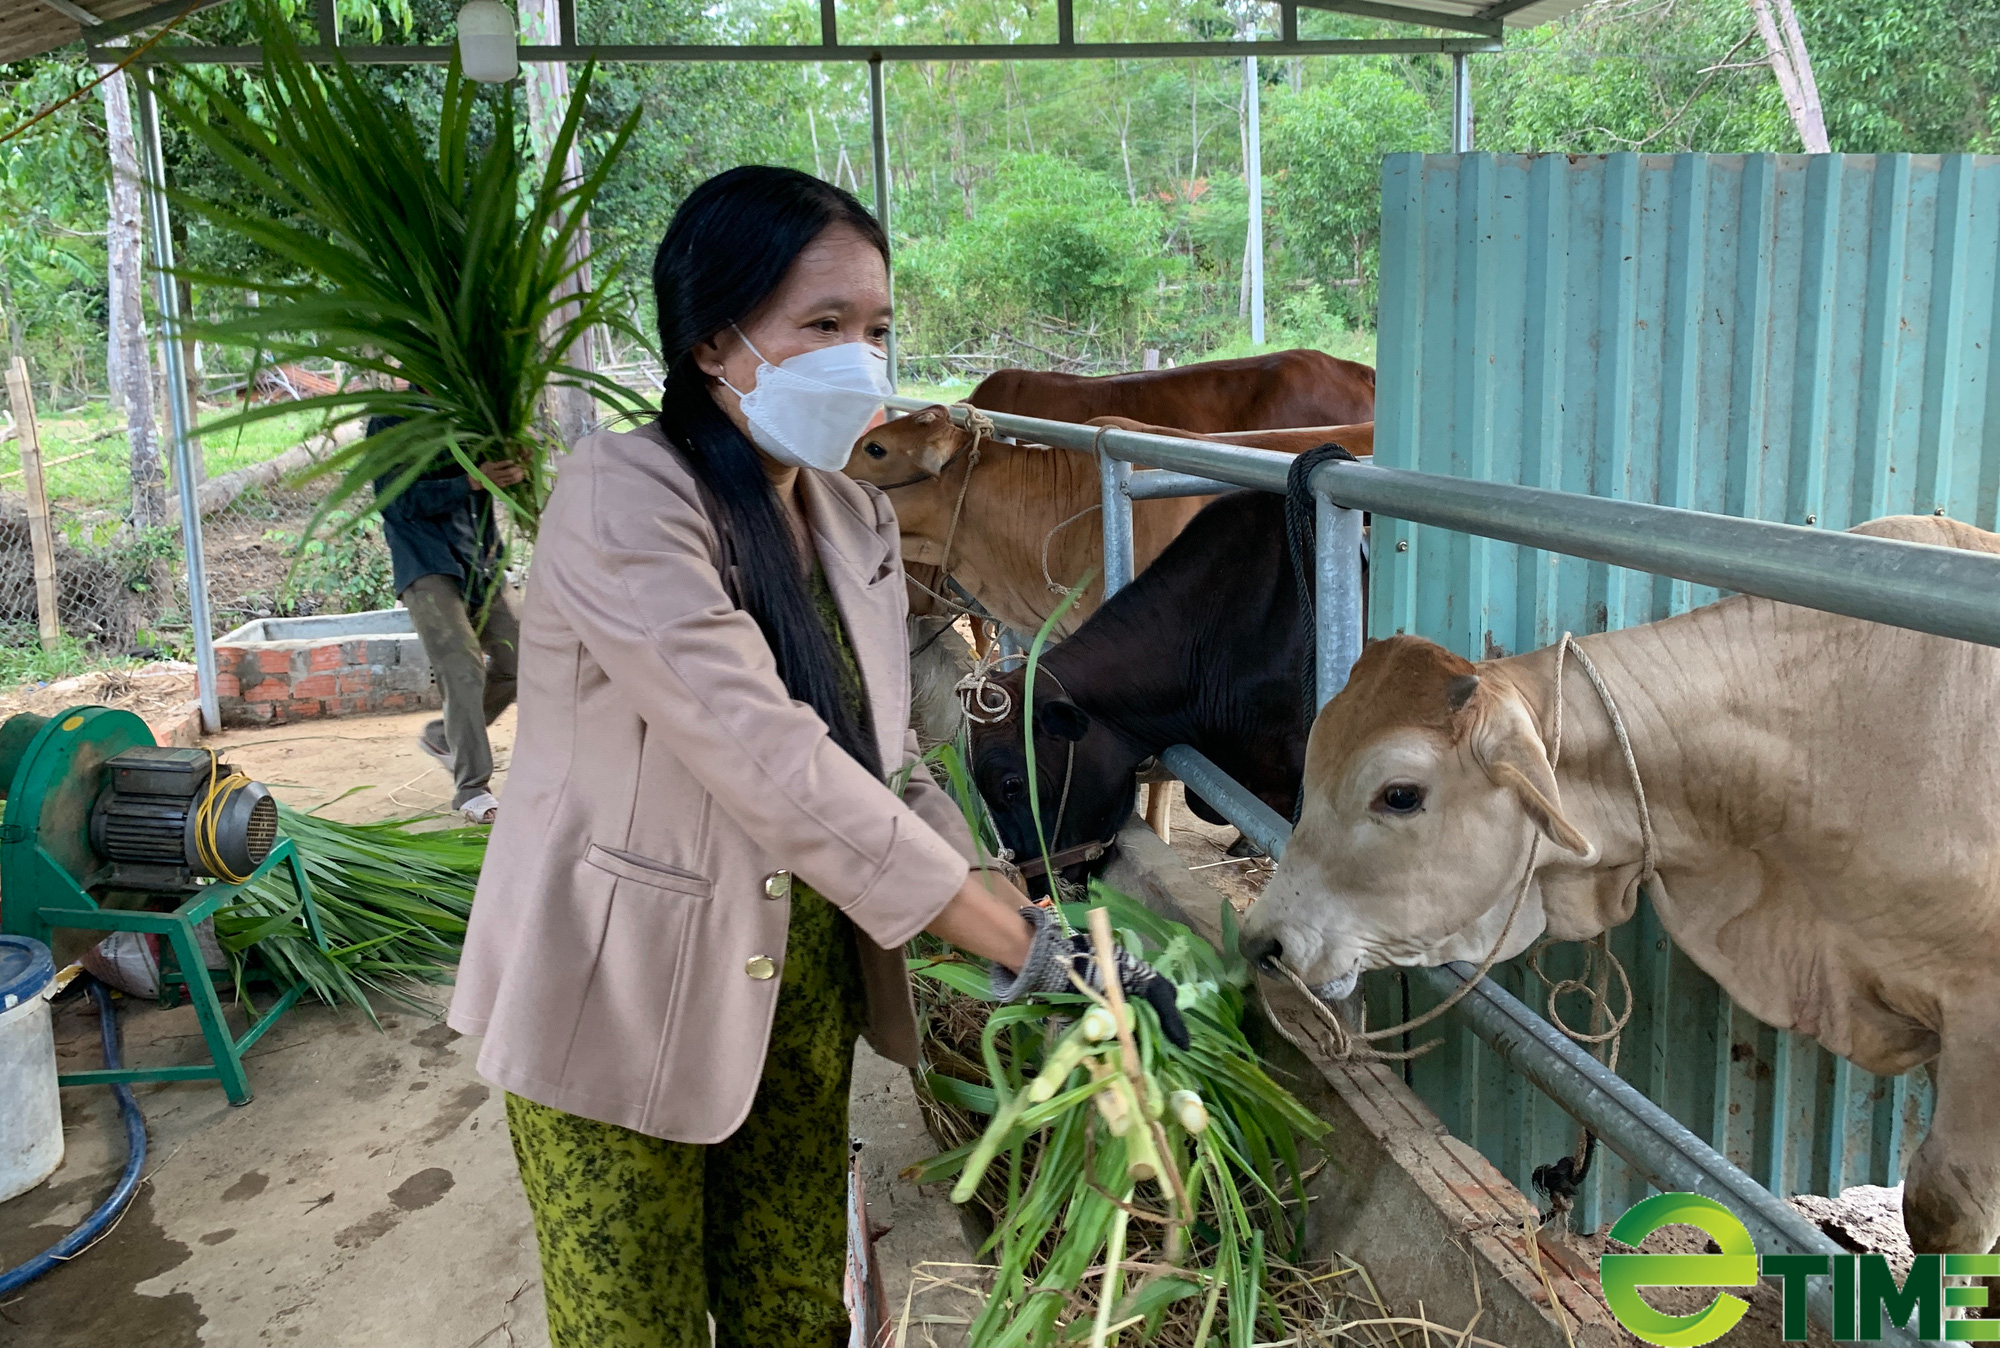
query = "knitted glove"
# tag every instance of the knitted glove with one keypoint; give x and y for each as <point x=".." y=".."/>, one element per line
<point x="1053" y="956"/>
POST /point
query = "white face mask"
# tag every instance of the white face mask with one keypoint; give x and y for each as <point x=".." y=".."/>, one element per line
<point x="809" y="411"/>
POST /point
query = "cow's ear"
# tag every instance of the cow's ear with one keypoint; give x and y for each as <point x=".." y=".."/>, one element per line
<point x="1064" y="719"/>
<point x="1507" y="746"/>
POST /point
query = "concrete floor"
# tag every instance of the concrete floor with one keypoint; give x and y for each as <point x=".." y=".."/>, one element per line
<point x="368" y="1195"/>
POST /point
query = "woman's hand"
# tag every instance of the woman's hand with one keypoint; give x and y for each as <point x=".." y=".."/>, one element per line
<point x="990" y="917"/>
<point x="1053" y="956"/>
<point x="984" y="918"/>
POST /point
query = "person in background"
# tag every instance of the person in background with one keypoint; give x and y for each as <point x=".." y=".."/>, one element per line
<point x="445" y="548"/>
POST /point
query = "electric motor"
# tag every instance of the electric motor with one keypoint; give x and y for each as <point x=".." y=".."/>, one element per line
<point x="170" y="813"/>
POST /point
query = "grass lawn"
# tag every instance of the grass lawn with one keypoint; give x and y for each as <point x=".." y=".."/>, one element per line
<point x="99" y="479"/>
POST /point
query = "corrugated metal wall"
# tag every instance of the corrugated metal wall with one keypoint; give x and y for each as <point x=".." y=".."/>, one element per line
<point x="1774" y="336"/>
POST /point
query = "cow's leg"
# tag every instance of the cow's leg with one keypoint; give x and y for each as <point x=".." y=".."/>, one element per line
<point x="1951" y="1195"/>
<point x="982" y="637"/>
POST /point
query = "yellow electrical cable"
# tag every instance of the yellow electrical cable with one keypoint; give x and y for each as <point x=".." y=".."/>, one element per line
<point x="208" y="819"/>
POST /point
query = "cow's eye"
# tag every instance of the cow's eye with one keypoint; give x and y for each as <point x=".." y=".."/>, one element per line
<point x="1400" y="798"/>
<point x="1012" y="788"/>
<point x="874" y="451"/>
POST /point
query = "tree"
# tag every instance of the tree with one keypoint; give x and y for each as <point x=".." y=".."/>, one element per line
<point x="1328" y="144"/>
<point x="129" y="354"/>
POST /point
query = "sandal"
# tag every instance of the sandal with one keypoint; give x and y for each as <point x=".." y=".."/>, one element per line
<point x="483" y="808"/>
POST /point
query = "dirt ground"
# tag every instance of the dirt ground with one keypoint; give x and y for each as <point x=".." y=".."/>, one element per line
<point x="154" y="692"/>
<point x="368" y="1195"/>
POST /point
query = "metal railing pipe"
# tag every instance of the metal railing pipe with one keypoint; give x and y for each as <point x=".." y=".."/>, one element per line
<point x="1337" y="585"/>
<point x="1650" y="1140"/>
<point x="1235" y="464"/>
<point x="1260" y="823"/>
<point x="1119" y="565"/>
<point x="1943" y="591"/>
<point x="180" y="416"/>
<point x="1155" y="483"/>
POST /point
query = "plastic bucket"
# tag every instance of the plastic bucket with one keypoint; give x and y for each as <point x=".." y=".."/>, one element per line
<point x="31" y="1136"/>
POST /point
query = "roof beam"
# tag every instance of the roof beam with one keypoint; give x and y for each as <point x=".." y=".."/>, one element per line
<point x="1371" y="9"/>
<point x="144" y="18"/>
<point x="187" y="54"/>
<point x="83" y="17"/>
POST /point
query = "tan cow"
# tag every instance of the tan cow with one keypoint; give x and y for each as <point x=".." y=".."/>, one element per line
<point x="1028" y="504"/>
<point x="1828" y="846"/>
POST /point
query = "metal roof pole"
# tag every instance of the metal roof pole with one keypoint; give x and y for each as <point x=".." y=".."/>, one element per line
<point x="179" y="415"/>
<point x="1461" y="104"/>
<point x="1253" y="175"/>
<point x="878" y="118"/>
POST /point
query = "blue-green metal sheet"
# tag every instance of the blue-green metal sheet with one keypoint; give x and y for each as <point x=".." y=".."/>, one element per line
<point x="1784" y="337"/>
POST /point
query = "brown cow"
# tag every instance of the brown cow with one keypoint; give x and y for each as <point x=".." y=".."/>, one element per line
<point x="1026" y="529"/>
<point x="1287" y="388"/>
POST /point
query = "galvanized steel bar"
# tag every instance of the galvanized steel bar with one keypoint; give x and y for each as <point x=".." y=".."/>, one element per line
<point x="179" y="416"/>
<point x="1927" y="589"/>
<point x="1337" y="594"/>
<point x="1651" y="1140"/>
<point x="1461" y="104"/>
<point x="1260" y="823"/>
<point x="183" y="53"/>
<point x="1157" y="483"/>
<point x="1119" y="565"/>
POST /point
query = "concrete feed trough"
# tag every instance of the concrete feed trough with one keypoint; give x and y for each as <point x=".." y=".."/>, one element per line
<point x="276" y="670"/>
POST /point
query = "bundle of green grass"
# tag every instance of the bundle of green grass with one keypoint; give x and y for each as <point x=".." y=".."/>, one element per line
<point x="392" y="900"/>
<point x="1137" y="1192"/>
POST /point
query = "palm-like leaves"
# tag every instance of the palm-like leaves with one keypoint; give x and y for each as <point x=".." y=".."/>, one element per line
<point x="441" y="274"/>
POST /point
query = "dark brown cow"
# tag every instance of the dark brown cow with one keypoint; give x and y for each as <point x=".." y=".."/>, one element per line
<point x="1287" y="388"/>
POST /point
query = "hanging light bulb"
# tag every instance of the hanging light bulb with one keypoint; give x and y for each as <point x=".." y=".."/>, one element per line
<point x="487" y="47"/>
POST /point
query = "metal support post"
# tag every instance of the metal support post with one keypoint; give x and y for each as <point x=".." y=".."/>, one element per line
<point x="1253" y="173"/>
<point x="179" y="415"/>
<point x="1114" y="474"/>
<point x="1337" y="593"/>
<point x="878" y="116"/>
<point x="1461" y="104"/>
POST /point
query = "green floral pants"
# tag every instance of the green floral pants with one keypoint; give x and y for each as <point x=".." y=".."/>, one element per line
<point x="643" y="1239"/>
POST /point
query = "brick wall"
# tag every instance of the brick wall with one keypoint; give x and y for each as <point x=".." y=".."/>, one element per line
<point x="273" y="682"/>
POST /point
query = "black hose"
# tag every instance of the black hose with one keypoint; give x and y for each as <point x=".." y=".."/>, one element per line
<point x="98" y="1222"/>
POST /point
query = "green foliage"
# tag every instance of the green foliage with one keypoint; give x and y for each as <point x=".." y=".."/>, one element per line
<point x="52" y="207"/>
<point x="344" y="570"/>
<point x="24" y="661"/>
<point x="446" y="269"/>
<point x="1053" y="1169"/>
<point x="1328" y="142"/>
<point x="393" y="901"/>
<point x="1053" y="244"/>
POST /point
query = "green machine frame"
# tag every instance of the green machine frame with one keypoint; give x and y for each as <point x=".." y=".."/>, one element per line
<point x="49" y="881"/>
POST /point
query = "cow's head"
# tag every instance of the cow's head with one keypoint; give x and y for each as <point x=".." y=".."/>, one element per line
<point x="1070" y="743"/>
<point x="1425" y="787"/>
<point x="906" y="451"/>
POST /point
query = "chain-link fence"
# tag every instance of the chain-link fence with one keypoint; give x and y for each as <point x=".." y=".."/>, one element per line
<point x="119" y="592"/>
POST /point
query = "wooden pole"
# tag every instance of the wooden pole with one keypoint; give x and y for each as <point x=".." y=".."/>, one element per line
<point x="41" y="540"/>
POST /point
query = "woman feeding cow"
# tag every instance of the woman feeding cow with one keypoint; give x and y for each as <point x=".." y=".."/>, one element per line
<point x="698" y="898"/>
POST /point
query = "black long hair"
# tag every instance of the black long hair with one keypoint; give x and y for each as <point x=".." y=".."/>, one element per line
<point x="727" y="249"/>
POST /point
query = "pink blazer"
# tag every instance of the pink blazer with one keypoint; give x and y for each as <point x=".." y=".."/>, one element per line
<point x="629" y="931"/>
